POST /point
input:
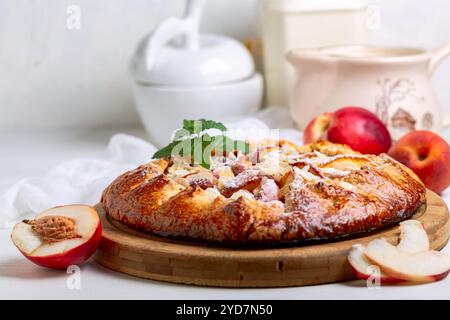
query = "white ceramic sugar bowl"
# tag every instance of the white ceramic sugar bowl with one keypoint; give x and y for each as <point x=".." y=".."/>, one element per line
<point x="180" y="74"/>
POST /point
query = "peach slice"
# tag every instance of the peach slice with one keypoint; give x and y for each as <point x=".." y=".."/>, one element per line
<point x="248" y="180"/>
<point x="268" y="190"/>
<point x="60" y="236"/>
<point x="285" y="182"/>
<point x="288" y="147"/>
<point x="262" y="151"/>
<point x="202" y="179"/>
<point x="361" y="266"/>
<point x="346" y="163"/>
<point x="413" y="239"/>
<point x="424" y="266"/>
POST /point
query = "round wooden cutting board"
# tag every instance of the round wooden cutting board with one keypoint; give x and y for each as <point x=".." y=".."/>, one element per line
<point x="153" y="257"/>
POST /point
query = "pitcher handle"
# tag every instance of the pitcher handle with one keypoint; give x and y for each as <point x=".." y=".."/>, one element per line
<point x="437" y="55"/>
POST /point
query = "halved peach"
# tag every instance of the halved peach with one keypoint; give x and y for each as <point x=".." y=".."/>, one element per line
<point x="60" y="236"/>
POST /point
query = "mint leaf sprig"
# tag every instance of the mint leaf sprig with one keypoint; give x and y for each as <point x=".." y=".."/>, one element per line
<point x="192" y="141"/>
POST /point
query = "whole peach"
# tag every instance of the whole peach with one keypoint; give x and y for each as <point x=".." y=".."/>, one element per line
<point x="356" y="127"/>
<point x="428" y="155"/>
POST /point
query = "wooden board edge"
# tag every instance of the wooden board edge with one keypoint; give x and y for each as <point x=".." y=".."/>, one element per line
<point x="258" y="278"/>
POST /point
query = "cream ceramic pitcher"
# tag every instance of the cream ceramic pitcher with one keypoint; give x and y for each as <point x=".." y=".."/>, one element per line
<point x="394" y="83"/>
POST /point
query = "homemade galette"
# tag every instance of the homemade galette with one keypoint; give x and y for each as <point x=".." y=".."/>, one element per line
<point x="279" y="193"/>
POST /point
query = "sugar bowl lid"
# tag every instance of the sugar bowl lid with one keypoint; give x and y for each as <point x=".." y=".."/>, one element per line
<point x="176" y="54"/>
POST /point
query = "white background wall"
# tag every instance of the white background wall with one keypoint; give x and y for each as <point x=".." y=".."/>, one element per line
<point x="51" y="76"/>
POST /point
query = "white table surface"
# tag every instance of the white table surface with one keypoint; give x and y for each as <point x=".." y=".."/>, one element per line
<point x="29" y="153"/>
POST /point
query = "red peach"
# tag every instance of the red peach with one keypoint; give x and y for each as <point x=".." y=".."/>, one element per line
<point x="356" y="127"/>
<point x="59" y="237"/>
<point x="428" y="155"/>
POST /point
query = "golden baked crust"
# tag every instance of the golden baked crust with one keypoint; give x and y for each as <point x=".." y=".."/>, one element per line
<point x="280" y="193"/>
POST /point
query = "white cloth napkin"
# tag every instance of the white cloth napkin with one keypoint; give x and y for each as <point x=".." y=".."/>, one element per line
<point x="75" y="181"/>
<point x="82" y="180"/>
